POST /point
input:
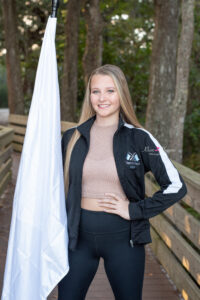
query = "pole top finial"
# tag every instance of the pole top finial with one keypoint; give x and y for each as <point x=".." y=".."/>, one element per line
<point x="55" y="5"/>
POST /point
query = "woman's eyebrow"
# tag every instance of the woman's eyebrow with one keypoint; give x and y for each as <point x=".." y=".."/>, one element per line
<point x="111" y="87"/>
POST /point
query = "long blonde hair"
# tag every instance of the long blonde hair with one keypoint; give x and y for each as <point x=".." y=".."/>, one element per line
<point x="87" y="110"/>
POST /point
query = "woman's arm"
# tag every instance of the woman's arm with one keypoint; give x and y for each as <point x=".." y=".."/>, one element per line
<point x="172" y="189"/>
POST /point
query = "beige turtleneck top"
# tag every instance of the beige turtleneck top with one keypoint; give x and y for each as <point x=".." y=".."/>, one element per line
<point x="99" y="169"/>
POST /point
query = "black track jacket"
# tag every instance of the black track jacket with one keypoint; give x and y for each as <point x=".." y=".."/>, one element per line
<point x="136" y="151"/>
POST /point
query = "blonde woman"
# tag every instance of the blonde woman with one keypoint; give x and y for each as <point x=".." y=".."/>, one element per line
<point x="105" y="158"/>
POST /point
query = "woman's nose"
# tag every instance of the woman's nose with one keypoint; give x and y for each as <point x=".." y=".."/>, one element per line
<point x="101" y="96"/>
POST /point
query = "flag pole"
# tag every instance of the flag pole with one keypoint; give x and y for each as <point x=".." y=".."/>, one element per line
<point x="37" y="253"/>
<point x="55" y="5"/>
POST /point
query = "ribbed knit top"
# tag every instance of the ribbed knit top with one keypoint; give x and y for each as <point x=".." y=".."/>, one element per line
<point x="99" y="169"/>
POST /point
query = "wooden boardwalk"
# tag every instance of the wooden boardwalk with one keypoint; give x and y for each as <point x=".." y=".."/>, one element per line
<point x="157" y="284"/>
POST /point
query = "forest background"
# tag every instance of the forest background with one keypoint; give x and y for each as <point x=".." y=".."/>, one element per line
<point x="151" y="41"/>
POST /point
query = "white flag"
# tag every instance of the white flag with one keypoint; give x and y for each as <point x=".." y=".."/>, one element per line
<point x="37" y="255"/>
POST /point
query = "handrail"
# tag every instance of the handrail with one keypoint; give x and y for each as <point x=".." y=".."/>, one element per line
<point x="175" y="232"/>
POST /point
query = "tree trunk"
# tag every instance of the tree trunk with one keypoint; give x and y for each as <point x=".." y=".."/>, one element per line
<point x="70" y="67"/>
<point x="183" y="68"/>
<point x="92" y="57"/>
<point x="163" y="70"/>
<point x="14" y="81"/>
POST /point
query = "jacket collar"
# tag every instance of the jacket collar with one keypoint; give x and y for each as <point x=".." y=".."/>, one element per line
<point x="85" y="127"/>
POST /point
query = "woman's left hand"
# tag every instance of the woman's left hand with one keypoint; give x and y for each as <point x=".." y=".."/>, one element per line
<point x="116" y="205"/>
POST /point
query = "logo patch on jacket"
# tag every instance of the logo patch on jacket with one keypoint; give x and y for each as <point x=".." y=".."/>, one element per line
<point x="132" y="160"/>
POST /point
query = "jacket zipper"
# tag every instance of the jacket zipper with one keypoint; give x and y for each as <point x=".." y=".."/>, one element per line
<point x="82" y="175"/>
<point x="131" y="241"/>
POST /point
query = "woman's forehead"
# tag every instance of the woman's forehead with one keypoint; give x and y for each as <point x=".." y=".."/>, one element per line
<point x="99" y="80"/>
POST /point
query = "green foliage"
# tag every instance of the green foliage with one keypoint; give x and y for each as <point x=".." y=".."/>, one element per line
<point x="191" y="140"/>
<point x="127" y="39"/>
<point x="127" y="42"/>
<point x="192" y="121"/>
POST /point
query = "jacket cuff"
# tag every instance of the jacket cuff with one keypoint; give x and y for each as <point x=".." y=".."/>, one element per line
<point x="136" y="210"/>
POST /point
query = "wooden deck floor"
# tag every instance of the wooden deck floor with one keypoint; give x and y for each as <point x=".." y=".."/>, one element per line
<point x="157" y="284"/>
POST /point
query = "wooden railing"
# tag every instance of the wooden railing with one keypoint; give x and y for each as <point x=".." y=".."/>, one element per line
<point x="6" y="138"/>
<point x="175" y="232"/>
<point x="18" y="124"/>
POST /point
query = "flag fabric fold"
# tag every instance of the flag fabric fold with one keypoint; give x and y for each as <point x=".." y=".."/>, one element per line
<point x="37" y="254"/>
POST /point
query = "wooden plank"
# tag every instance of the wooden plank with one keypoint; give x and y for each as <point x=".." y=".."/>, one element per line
<point x="22" y="120"/>
<point x="192" y="197"/>
<point x="192" y="180"/>
<point x="67" y="125"/>
<point x="189" y="175"/>
<point x="17" y="147"/>
<point x="183" y="220"/>
<point x="187" y="287"/>
<point x="18" y="129"/>
<point x="17" y="119"/>
<point x="5" y="153"/>
<point x="4" y="129"/>
<point x="4" y="181"/>
<point x="189" y="258"/>
<point x="19" y="139"/>
<point x="4" y="168"/>
<point x="6" y="136"/>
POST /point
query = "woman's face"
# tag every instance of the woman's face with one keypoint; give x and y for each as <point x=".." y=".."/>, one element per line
<point x="104" y="96"/>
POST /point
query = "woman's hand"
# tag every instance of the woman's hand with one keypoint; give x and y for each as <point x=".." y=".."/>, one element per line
<point x="114" y="204"/>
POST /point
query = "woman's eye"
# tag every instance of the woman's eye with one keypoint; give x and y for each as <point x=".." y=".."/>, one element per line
<point x="110" y="91"/>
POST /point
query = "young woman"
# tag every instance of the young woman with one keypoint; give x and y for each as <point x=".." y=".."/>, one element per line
<point x="105" y="158"/>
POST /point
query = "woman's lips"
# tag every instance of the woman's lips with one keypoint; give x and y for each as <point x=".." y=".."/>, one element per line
<point x="102" y="107"/>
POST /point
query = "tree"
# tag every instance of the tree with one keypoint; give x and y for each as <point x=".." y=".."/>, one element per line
<point x="14" y="82"/>
<point x="92" y="57"/>
<point x="183" y="68"/>
<point x="70" y="65"/>
<point x="163" y="70"/>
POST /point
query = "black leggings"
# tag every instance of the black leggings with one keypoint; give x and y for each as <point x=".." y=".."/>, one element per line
<point x="105" y="235"/>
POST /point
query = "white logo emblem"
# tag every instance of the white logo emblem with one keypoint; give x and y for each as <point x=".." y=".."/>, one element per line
<point x="132" y="156"/>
